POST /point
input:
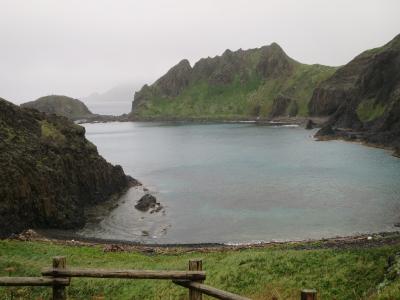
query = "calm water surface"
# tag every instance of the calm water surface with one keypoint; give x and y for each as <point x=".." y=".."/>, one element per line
<point x="245" y="183"/>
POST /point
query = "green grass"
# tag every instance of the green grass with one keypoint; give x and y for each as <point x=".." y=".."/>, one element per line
<point x="299" y="86"/>
<point x="49" y="131"/>
<point x="258" y="273"/>
<point x="368" y="110"/>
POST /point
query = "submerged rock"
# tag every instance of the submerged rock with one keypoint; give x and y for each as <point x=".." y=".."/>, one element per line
<point x="146" y="202"/>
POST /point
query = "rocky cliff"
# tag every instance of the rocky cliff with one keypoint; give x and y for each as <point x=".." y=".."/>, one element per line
<point x="73" y="109"/>
<point x="362" y="98"/>
<point x="49" y="172"/>
<point x="255" y="83"/>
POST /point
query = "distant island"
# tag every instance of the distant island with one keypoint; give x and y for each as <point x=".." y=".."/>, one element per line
<point x="115" y="101"/>
<point x="70" y="108"/>
<point x="73" y="109"/>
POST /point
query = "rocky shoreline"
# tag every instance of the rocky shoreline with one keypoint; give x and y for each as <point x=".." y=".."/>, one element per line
<point x="339" y="242"/>
<point x="327" y="133"/>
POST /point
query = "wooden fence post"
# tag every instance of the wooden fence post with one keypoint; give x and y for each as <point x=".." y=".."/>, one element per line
<point x="195" y="265"/>
<point x="59" y="291"/>
<point x="308" y="295"/>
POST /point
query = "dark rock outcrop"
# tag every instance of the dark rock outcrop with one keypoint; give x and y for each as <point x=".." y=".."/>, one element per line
<point x="176" y="79"/>
<point x="146" y="202"/>
<point x="280" y="106"/>
<point x="364" y="96"/>
<point x="325" y="131"/>
<point x="49" y="172"/>
<point x="274" y="61"/>
<point x="310" y="124"/>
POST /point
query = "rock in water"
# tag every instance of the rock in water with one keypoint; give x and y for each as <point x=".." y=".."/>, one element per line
<point x="146" y="202"/>
<point x="310" y="124"/>
<point x="49" y="171"/>
<point x="327" y="130"/>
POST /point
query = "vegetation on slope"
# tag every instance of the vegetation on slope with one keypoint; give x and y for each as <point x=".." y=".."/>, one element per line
<point x="337" y="273"/>
<point x="261" y="82"/>
<point x="364" y="96"/>
<point x="363" y="90"/>
<point x="49" y="171"/>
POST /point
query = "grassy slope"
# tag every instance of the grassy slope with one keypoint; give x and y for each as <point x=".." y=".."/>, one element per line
<point x="299" y="86"/>
<point x="259" y="273"/>
<point x="239" y="99"/>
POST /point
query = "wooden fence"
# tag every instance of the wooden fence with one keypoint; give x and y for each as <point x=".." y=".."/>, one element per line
<point x="59" y="277"/>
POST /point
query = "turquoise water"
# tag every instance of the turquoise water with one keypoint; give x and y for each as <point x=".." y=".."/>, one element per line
<point x="240" y="183"/>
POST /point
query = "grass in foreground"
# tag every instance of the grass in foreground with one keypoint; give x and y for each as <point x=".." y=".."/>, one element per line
<point x="280" y="271"/>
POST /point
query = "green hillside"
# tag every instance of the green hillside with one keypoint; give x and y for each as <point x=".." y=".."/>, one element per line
<point x="337" y="271"/>
<point x="244" y="84"/>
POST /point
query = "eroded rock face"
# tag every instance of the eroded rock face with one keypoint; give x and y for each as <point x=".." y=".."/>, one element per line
<point x="176" y="79"/>
<point x="169" y="85"/>
<point x="364" y="95"/>
<point x="274" y="61"/>
<point x="326" y="100"/>
<point x="280" y="106"/>
<point x="49" y="172"/>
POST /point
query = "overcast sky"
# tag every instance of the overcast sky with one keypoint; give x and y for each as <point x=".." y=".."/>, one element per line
<point x="76" y="47"/>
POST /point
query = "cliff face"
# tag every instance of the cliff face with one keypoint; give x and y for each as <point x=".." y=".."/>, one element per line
<point x="364" y="95"/>
<point x="241" y="84"/>
<point x="73" y="109"/>
<point x="49" y="172"/>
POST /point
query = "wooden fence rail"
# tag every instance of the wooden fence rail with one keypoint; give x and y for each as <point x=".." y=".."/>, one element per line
<point x="32" y="281"/>
<point x="59" y="277"/>
<point x="125" y="274"/>
<point x="209" y="290"/>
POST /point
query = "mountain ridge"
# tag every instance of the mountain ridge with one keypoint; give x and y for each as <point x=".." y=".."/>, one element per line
<point x="237" y="84"/>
